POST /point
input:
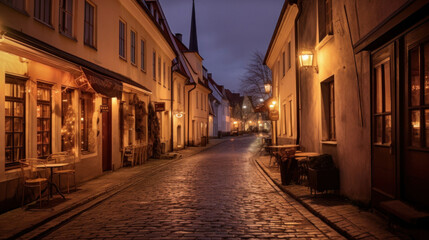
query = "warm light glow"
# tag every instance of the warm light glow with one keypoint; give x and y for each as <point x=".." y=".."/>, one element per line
<point x="271" y="106"/>
<point x="235" y="122"/>
<point x="274" y="102"/>
<point x="267" y="87"/>
<point x="250" y="122"/>
<point x="261" y="99"/>
<point x="179" y="115"/>
<point x="244" y="106"/>
<point x="306" y="59"/>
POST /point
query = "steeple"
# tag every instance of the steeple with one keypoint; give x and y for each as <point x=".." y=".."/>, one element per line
<point x="193" y="42"/>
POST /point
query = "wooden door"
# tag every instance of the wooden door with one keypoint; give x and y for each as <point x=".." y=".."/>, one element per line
<point x="107" y="135"/>
<point x="415" y="110"/>
<point x="383" y="164"/>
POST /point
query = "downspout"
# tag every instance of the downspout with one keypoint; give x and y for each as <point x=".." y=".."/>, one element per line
<point x="171" y="107"/>
<point x="189" y="110"/>
<point x="298" y="82"/>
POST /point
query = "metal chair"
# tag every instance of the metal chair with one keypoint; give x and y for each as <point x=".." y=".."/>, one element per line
<point x="69" y="170"/>
<point x="31" y="169"/>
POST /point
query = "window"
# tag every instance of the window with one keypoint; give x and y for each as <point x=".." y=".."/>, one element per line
<point x="328" y="112"/>
<point x="16" y="4"/>
<point x="66" y="17"/>
<point x="14" y="120"/>
<point x="382" y="109"/>
<point x="202" y="101"/>
<point x="169" y="77"/>
<point x="89" y="27"/>
<point x="42" y="10"/>
<point x="284" y="64"/>
<point x="154" y="65"/>
<point x="289" y="55"/>
<point x="196" y="99"/>
<point x="325" y="18"/>
<point x="163" y="74"/>
<point x="133" y="47"/>
<point x="284" y="120"/>
<point x="159" y="70"/>
<point x="122" y="31"/>
<point x="67" y="120"/>
<point x="86" y="112"/>
<point x="179" y="96"/>
<point x="43" y="120"/>
<point x="142" y="56"/>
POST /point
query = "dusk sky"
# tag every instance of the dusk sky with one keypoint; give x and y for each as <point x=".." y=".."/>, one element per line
<point x="229" y="31"/>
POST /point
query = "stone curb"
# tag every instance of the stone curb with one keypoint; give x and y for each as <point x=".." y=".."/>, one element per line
<point x="110" y="191"/>
<point x="307" y="206"/>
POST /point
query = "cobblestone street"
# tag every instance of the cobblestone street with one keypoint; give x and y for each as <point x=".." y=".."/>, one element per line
<point x="218" y="193"/>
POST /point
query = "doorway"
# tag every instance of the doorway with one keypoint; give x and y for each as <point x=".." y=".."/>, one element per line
<point x="179" y="136"/>
<point x="106" y="136"/>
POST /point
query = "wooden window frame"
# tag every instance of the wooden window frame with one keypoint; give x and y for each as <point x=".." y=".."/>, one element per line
<point x="122" y="37"/>
<point x="90" y="23"/>
<point x="325" y="24"/>
<point x="329" y="116"/>
<point x="18" y="81"/>
<point x="43" y="118"/>
<point x="43" y="11"/>
<point x="66" y="26"/>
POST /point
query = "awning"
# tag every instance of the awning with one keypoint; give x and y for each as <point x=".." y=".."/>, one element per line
<point x="103" y="84"/>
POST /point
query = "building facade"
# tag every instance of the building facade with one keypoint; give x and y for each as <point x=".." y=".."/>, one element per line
<point x="72" y="82"/>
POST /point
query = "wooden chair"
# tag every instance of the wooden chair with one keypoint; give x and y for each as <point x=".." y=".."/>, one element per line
<point x="69" y="170"/>
<point x="31" y="176"/>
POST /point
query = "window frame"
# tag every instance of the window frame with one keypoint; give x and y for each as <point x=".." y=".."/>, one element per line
<point x="84" y="133"/>
<point x="133" y="48"/>
<point x="48" y="103"/>
<point x="10" y="79"/>
<point x="92" y="24"/>
<point x="325" y="23"/>
<point x="159" y="70"/>
<point x="40" y="13"/>
<point x="14" y="5"/>
<point x="64" y="12"/>
<point x="122" y="40"/>
<point x="163" y="74"/>
<point x="143" y="55"/>
<point x="154" y="65"/>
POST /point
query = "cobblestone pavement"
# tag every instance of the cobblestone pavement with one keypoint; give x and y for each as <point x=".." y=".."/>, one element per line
<point x="216" y="194"/>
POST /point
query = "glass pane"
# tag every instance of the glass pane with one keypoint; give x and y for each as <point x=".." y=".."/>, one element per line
<point x="9" y="140"/>
<point x="46" y="125"/>
<point x="18" y="125"/>
<point x="426" y="56"/>
<point x="19" y="153"/>
<point x="8" y="108"/>
<point x="8" y="91"/>
<point x="427" y="127"/>
<point x="378" y="91"/>
<point x="9" y="158"/>
<point x="17" y="140"/>
<point x="387" y="90"/>
<point x="46" y="113"/>
<point x="39" y="125"/>
<point x="39" y="150"/>
<point x="415" y="78"/>
<point x="379" y="129"/>
<point x="38" y="114"/>
<point x="39" y="138"/>
<point x="8" y="125"/>
<point x="415" y="128"/>
<point x="20" y="89"/>
<point x="46" y="138"/>
<point x="18" y="109"/>
<point x="388" y="129"/>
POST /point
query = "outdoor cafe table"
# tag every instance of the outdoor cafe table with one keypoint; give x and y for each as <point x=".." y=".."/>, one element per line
<point x="277" y="148"/>
<point x="302" y="158"/>
<point x="51" y="166"/>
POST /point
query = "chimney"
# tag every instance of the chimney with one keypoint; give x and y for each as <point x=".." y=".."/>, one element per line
<point x="179" y="36"/>
<point x="209" y="75"/>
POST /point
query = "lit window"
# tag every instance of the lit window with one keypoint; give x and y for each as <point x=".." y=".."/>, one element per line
<point x="14" y="121"/>
<point x="68" y="119"/>
<point x="43" y="120"/>
<point x="87" y="110"/>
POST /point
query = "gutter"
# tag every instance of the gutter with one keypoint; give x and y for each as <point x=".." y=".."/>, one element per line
<point x="298" y="82"/>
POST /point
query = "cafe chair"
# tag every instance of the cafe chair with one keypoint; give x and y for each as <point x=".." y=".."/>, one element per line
<point x="68" y="171"/>
<point x="34" y="175"/>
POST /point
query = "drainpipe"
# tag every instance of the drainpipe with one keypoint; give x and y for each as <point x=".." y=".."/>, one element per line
<point x="189" y="110"/>
<point x="171" y="106"/>
<point x="298" y="82"/>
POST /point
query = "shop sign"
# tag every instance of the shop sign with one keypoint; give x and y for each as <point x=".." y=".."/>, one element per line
<point x="104" y="108"/>
<point x="274" y="115"/>
<point x="159" y="107"/>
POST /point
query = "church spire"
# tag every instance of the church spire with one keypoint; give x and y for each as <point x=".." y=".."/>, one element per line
<point x="193" y="42"/>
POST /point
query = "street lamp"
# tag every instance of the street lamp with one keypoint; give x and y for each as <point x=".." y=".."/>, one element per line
<point x="306" y="60"/>
<point x="267" y="87"/>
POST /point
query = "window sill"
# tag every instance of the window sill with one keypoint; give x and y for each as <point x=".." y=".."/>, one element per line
<point x="44" y="23"/>
<point x="133" y="64"/>
<point x="324" y="41"/>
<point x="333" y="143"/>
<point x="122" y="58"/>
<point x="68" y="36"/>
<point x="90" y="46"/>
<point x="144" y="71"/>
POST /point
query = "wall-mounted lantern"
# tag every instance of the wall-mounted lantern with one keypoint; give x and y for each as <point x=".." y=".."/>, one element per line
<point x="306" y="60"/>
<point x="267" y="87"/>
